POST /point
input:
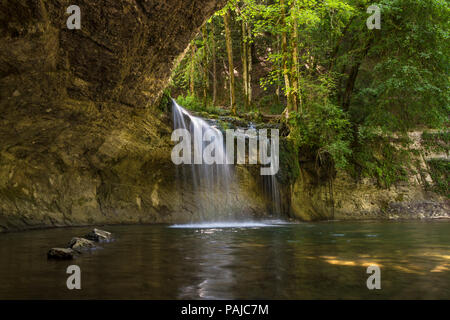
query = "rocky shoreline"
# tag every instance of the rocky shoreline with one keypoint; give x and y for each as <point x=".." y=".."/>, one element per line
<point x="426" y="210"/>
<point x="419" y="210"/>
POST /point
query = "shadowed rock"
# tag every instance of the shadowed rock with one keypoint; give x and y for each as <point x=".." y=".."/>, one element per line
<point x="98" y="235"/>
<point x="61" y="254"/>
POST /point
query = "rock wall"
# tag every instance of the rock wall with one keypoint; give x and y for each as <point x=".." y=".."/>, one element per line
<point x="316" y="196"/>
<point x="123" y="52"/>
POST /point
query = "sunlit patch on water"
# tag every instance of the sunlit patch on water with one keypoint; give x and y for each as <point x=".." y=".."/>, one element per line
<point x="231" y="224"/>
<point x="346" y="262"/>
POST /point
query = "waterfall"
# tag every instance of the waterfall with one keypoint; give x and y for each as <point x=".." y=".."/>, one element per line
<point x="212" y="183"/>
<point x="271" y="188"/>
<point x="205" y="180"/>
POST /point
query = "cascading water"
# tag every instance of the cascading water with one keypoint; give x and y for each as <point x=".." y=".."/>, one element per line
<point x="206" y="180"/>
<point x="209" y="180"/>
<point x="271" y="188"/>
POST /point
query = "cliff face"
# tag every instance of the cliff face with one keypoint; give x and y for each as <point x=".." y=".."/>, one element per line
<point x="341" y="197"/>
<point x="123" y="52"/>
<point x="82" y="139"/>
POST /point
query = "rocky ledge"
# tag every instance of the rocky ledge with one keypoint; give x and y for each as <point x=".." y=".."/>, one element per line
<point x="419" y="210"/>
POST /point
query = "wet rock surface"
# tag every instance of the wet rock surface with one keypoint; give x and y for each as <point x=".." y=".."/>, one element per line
<point x="61" y="254"/>
<point x="98" y="235"/>
<point x="419" y="210"/>
<point x="80" y="244"/>
<point x="344" y="198"/>
<point x="77" y="245"/>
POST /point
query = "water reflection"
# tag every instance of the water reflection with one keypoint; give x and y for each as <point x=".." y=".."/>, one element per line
<point x="288" y="261"/>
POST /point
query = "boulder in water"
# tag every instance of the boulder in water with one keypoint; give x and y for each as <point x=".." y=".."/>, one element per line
<point x="61" y="253"/>
<point x="98" y="235"/>
<point x="81" y="244"/>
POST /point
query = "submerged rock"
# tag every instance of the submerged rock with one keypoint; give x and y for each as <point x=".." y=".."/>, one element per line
<point x="61" y="253"/>
<point x="81" y="244"/>
<point x="98" y="235"/>
<point x="77" y="245"/>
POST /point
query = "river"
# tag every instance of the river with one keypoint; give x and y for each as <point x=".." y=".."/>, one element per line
<point x="266" y="260"/>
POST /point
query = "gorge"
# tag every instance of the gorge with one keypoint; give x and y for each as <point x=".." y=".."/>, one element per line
<point x="89" y="145"/>
<point x="85" y="129"/>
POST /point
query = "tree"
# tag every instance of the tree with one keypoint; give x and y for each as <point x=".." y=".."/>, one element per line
<point x="205" y="66"/>
<point x="246" y="57"/>
<point x="192" y="69"/>
<point x="214" y="58"/>
<point x="229" y="44"/>
<point x="285" y="58"/>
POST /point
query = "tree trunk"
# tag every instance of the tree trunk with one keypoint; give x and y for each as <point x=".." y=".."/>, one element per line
<point x="353" y="75"/>
<point x="229" y="43"/>
<point x="244" y="64"/>
<point x="295" y="67"/>
<point x="192" y="71"/>
<point x="205" y="66"/>
<point x="284" y="50"/>
<point x="213" y="48"/>
<point x="249" y="66"/>
<point x="278" y="68"/>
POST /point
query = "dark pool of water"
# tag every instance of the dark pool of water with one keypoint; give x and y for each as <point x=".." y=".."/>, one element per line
<point x="325" y="260"/>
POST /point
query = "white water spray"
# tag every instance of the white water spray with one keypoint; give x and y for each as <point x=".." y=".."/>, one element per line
<point x="212" y="183"/>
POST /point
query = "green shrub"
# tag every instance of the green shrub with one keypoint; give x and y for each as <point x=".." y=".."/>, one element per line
<point x="195" y="104"/>
<point x="436" y="142"/>
<point x="324" y="129"/>
<point x="270" y="104"/>
<point x="440" y="173"/>
<point x="190" y="102"/>
<point x="375" y="156"/>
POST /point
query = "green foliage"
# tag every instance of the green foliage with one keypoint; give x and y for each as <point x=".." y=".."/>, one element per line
<point x="377" y="156"/>
<point x="324" y="128"/>
<point x="405" y="81"/>
<point x="356" y="87"/>
<point x="270" y="104"/>
<point x="165" y="102"/>
<point x="190" y="102"/>
<point x="436" y="141"/>
<point x="195" y="104"/>
<point x="289" y="162"/>
<point x="440" y="173"/>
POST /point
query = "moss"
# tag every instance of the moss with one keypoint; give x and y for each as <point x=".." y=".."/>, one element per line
<point x="165" y="102"/>
<point x="438" y="142"/>
<point x="289" y="162"/>
<point x="386" y="162"/>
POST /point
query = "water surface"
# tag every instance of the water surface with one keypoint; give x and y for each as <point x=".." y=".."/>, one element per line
<point x="263" y="260"/>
